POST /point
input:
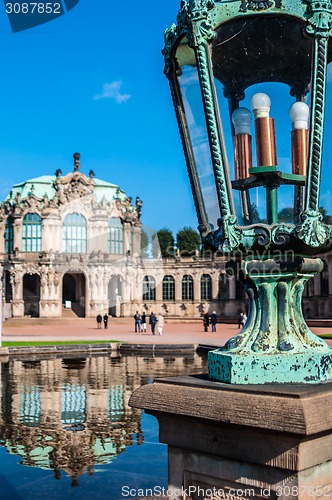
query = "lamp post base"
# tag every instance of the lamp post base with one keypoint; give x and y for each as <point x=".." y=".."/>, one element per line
<point x="276" y="345"/>
<point x="269" y="368"/>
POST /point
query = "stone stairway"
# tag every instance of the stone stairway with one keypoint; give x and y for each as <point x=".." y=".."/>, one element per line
<point x="68" y="313"/>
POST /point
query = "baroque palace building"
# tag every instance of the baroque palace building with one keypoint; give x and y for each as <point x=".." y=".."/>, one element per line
<point x="75" y="241"/>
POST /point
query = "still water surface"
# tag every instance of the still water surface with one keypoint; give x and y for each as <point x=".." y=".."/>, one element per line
<point x="66" y="430"/>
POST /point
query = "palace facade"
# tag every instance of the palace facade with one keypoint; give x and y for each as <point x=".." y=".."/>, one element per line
<point x="74" y="242"/>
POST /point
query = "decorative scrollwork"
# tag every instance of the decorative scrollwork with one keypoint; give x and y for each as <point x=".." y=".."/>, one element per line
<point x="169" y="36"/>
<point x="201" y="23"/>
<point x="281" y="235"/>
<point x="228" y="237"/>
<point x="262" y="235"/>
<point x="312" y="231"/>
<point x="256" y="5"/>
<point x="200" y="8"/>
<point x="320" y="19"/>
<point x="182" y="17"/>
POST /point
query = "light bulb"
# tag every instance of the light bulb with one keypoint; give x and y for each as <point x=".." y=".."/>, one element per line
<point x="241" y="119"/>
<point x="260" y="104"/>
<point x="299" y="114"/>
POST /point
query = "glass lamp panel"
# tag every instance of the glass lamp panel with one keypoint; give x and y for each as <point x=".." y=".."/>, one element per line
<point x="257" y="199"/>
<point x="286" y="212"/>
<point x="267" y="55"/>
<point x="325" y="200"/>
<point x="194" y="110"/>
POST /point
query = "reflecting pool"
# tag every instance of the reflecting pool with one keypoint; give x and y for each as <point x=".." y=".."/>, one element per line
<point x="66" y="430"/>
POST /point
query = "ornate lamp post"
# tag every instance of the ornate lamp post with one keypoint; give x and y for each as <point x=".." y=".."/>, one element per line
<point x="217" y="51"/>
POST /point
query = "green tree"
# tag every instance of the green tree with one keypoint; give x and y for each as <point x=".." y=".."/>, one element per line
<point x="286" y="215"/>
<point x="326" y="218"/>
<point x="188" y="241"/>
<point x="254" y="214"/>
<point x="163" y="243"/>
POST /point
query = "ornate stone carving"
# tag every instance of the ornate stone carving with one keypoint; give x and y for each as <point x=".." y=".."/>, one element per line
<point x="73" y="186"/>
<point x="31" y="203"/>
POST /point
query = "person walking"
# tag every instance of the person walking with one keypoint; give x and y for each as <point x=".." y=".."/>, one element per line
<point x="143" y="322"/>
<point x="241" y="320"/>
<point x="206" y="322"/>
<point x="214" y="320"/>
<point x="152" y="321"/>
<point x="137" y="319"/>
<point x="99" y="320"/>
<point x="105" y="318"/>
<point x="161" y="323"/>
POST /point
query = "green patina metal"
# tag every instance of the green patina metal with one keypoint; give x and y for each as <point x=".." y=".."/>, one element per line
<point x="276" y="332"/>
<point x="276" y="345"/>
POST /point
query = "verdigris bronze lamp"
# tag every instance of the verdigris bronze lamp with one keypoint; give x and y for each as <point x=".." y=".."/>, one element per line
<point x="222" y="51"/>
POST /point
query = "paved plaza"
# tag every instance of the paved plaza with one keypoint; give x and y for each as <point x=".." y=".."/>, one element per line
<point x="121" y="330"/>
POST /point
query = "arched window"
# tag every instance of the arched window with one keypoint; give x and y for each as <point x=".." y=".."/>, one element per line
<point x="324" y="281"/>
<point x="115" y="235"/>
<point x="32" y="233"/>
<point x="206" y="287"/>
<point x="187" y="287"/>
<point x="116" y="408"/>
<point x="168" y="288"/>
<point x="149" y="288"/>
<point x="74" y="234"/>
<point x="30" y="405"/>
<point x="9" y="235"/>
<point x="223" y="289"/>
<point x="73" y="406"/>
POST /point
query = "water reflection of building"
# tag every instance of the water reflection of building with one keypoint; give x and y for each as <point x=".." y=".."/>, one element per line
<point x="68" y="415"/>
<point x="73" y="414"/>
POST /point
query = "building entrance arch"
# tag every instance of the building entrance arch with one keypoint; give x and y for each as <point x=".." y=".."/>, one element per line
<point x="115" y="291"/>
<point x="31" y="295"/>
<point x="74" y="294"/>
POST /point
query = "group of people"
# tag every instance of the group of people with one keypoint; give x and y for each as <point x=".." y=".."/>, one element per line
<point x="210" y="320"/>
<point x="101" y="319"/>
<point x="213" y="320"/>
<point x="140" y="322"/>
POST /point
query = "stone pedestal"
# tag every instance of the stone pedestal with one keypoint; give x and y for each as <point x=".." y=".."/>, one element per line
<point x="243" y="442"/>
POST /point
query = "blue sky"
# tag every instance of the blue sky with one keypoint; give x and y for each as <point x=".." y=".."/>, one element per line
<point x="92" y="81"/>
